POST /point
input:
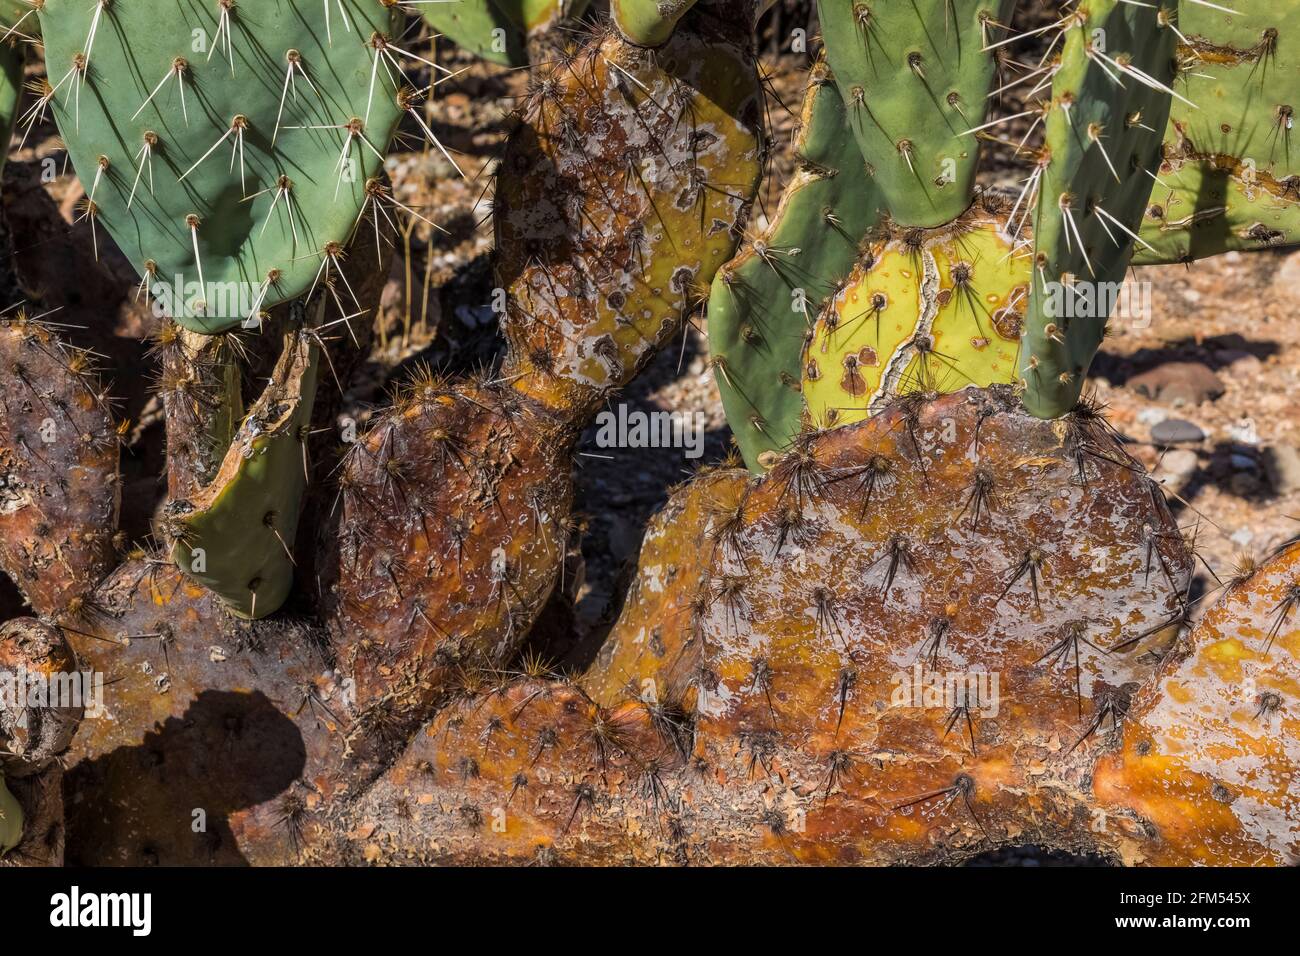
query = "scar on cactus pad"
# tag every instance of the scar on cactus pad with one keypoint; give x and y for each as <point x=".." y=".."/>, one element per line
<point x="923" y="311"/>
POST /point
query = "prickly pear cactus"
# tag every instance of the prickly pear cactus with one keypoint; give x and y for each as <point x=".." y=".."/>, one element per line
<point x="927" y="311"/>
<point x="230" y="172"/>
<point x="502" y="31"/>
<point x="1228" y="179"/>
<point x="59" y="455"/>
<point x="625" y="190"/>
<point x="235" y="534"/>
<point x="915" y="79"/>
<point x="745" y="710"/>
<point x="763" y="300"/>
<point x="1110" y="99"/>
<point x="1206" y="772"/>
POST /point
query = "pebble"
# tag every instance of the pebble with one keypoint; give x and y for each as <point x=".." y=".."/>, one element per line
<point x="1242" y="537"/>
<point x="1282" y="465"/>
<point x="1176" y="431"/>
<point x="1178" y="383"/>
<point x="1177" y="466"/>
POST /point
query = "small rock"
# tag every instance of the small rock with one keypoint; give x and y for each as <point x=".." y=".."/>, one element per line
<point x="1242" y="537"/>
<point x="1239" y="362"/>
<point x="1244" y="432"/>
<point x="1151" y="416"/>
<point x="1177" y="466"/>
<point x="1178" y="383"/>
<point x="1243" y="462"/>
<point x="1286" y="280"/>
<point x="1282" y="465"/>
<point x="1176" y="431"/>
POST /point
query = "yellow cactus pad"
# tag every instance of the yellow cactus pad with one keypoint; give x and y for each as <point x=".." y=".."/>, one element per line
<point x="923" y="310"/>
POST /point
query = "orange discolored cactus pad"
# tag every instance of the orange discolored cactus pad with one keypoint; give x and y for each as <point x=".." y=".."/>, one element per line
<point x="908" y="642"/>
<point x="625" y="187"/>
<point x="454" y="525"/>
<point x="60" y="493"/>
<point x="1207" y="772"/>
<point x="526" y="769"/>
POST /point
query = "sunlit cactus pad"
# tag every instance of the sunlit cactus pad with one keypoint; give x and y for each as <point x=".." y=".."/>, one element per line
<point x="225" y="146"/>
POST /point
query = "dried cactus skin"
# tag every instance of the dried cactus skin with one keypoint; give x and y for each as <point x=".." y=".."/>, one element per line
<point x="651" y="652"/>
<point x="59" y="456"/>
<point x="797" y="699"/>
<point x="244" y="720"/>
<point x="453" y="527"/>
<point x="202" y="395"/>
<point x="1206" y="772"/>
<point x="1102" y="146"/>
<point x="914" y="78"/>
<point x="187" y="215"/>
<point x="235" y="535"/>
<point x="763" y="300"/>
<point x="529" y="770"/>
<point x="923" y="311"/>
<point x="1228" y="180"/>
<point x="782" y="691"/>
<point x="35" y="732"/>
<point x="626" y="186"/>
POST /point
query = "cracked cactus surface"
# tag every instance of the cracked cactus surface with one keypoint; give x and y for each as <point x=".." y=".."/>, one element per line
<point x="1206" y="772"/>
<point x="624" y="190"/>
<point x="59" y="455"/>
<point x="929" y="311"/>
<point x="1229" y="179"/>
<point x="763" y="300"/>
<point x="1111" y="92"/>
<point x="228" y="148"/>
<point x="915" y="78"/>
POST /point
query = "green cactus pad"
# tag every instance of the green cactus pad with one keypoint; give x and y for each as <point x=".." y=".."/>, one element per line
<point x="11" y="819"/>
<point x="480" y="27"/>
<point x="287" y="164"/>
<point x="19" y="18"/>
<point x="648" y="22"/>
<point x="12" y="60"/>
<point x="498" y="30"/>
<point x="764" y="300"/>
<point x="915" y="77"/>
<point x="1230" y="176"/>
<point x="1109" y="106"/>
<point x="245" y="519"/>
